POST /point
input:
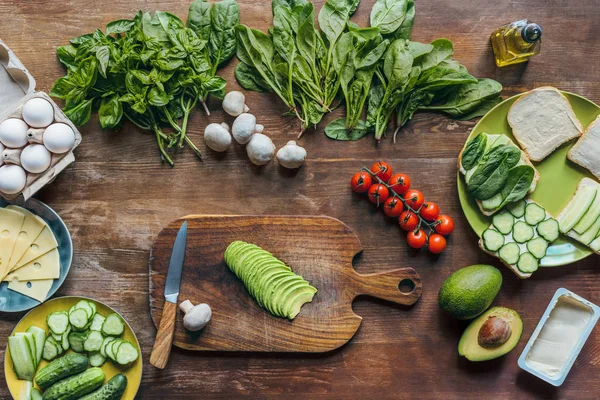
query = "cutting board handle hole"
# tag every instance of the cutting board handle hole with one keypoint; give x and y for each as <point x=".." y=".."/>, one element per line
<point x="406" y="286"/>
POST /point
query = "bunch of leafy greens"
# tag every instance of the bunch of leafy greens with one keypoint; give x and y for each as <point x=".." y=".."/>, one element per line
<point x="152" y="70"/>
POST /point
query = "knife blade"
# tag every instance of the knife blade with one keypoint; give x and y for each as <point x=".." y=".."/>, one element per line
<point x="176" y="265"/>
<point x="166" y="329"/>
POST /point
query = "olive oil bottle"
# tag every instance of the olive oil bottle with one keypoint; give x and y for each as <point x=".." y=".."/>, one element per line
<point x="516" y="42"/>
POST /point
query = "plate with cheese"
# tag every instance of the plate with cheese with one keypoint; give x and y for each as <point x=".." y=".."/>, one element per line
<point x="35" y="254"/>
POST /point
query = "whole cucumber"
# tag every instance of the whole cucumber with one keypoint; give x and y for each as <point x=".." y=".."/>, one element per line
<point x="75" y="386"/>
<point x="113" y="390"/>
<point x="61" y="368"/>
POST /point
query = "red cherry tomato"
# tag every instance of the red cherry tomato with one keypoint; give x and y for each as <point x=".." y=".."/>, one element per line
<point x="444" y="225"/>
<point x="400" y="183"/>
<point x="430" y="211"/>
<point x="378" y="194"/>
<point x="416" y="239"/>
<point x="393" y="207"/>
<point x="437" y="243"/>
<point x="408" y="221"/>
<point x="414" y="199"/>
<point x="382" y="170"/>
<point x="361" y="182"/>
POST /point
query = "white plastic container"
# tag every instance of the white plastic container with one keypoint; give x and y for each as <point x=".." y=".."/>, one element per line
<point x="559" y="337"/>
<point x="17" y="86"/>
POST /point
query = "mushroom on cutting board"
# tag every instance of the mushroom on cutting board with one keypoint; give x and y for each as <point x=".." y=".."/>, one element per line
<point x="196" y="317"/>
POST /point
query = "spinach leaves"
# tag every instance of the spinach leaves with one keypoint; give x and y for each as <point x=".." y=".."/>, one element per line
<point x="152" y="70"/>
<point x="474" y="151"/>
<point x="489" y="178"/>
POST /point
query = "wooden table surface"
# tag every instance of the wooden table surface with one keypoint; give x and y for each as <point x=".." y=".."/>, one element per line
<point x="117" y="197"/>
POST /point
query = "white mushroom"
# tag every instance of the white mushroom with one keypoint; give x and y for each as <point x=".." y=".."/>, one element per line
<point x="217" y="136"/>
<point x="291" y="155"/>
<point x="244" y="126"/>
<point x="260" y="149"/>
<point x="234" y="103"/>
<point x="196" y="317"/>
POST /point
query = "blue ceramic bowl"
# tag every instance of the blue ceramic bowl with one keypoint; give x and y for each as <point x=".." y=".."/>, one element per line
<point x="15" y="302"/>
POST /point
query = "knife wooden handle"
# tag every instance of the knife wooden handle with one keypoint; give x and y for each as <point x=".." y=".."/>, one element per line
<point x="164" y="336"/>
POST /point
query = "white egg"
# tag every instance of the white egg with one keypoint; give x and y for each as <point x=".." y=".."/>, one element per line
<point x="1" y="150"/>
<point x="38" y="112"/>
<point x="13" y="133"/>
<point x="12" y="179"/>
<point x="59" y="138"/>
<point x="35" y="158"/>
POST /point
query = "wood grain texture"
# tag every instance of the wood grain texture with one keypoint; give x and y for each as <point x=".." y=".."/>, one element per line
<point x="320" y="249"/>
<point x="164" y="336"/>
<point x="117" y="197"/>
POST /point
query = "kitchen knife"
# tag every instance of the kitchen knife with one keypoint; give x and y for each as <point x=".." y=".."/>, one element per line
<point x="164" y="336"/>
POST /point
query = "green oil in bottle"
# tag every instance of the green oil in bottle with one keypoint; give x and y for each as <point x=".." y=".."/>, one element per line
<point x="516" y="42"/>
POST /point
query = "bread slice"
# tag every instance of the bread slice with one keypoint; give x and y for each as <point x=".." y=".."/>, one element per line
<point x="586" y="151"/>
<point x="584" y="182"/>
<point x="542" y="120"/>
<point x="524" y="159"/>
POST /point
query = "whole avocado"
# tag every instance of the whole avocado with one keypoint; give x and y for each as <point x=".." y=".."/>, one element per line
<point x="469" y="291"/>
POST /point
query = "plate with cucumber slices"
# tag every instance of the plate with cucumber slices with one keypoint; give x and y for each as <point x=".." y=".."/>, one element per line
<point x="73" y="348"/>
<point x="549" y="183"/>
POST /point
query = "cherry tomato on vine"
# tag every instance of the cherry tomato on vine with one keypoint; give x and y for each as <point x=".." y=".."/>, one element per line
<point x="430" y="211"/>
<point x="408" y="221"/>
<point x="400" y="183"/>
<point x="444" y="225"/>
<point x="437" y="243"/>
<point x="361" y="182"/>
<point x="414" y="199"/>
<point x="378" y="194"/>
<point x="416" y="239"/>
<point x="393" y="207"/>
<point x="382" y="170"/>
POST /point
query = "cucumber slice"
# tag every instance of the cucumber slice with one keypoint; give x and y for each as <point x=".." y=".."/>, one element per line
<point x="504" y="222"/>
<point x="104" y="343"/>
<point x="493" y="202"/>
<point x="538" y="247"/>
<point x="534" y="214"/>
<point x="577" y="207"/>
<point x="23" y="359"/>
<point x="93" y="306"/>
<point x="78" y="318"/>
<point x="96" y="359"/>
<point x="492" y="240"/>
<point x="113" y="326"/>
<point x="522" y="232"/>
<point x="509" y="253"/>
<point x="114" y="347"/>
<point x="85" y="305"/>
<point x="588" y="236"/>
<point x="517" y="209"/>
<point x="126" y="354"/>
<point x="527" y="263"/>
<point x="30" y="339"/>
<point x="40" y="338"/>
<point x="97" y="323"/>
<point x="590" y="216"/>
<point x="93" y="342"/>
<point x="25" y="392"/>
<point x="64" y="343"/>
<point x="50" y="351"/>
<point x="548" y="229"/>
<point x="76" y="340"/>
<point x="36" y="394"/>
<point x="58" y="322"/>
<point x="595" y="245"/>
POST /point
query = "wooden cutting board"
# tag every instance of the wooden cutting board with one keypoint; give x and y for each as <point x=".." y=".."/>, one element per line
<point x="320" y="249"/>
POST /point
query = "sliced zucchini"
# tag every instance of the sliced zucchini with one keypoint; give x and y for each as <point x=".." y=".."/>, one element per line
<point x="96" y="359"/>
<point x="93" y="342"/>
<point x="517" y="208"/>
<point x="126" y="353"/>
<point x="113" y="325"/>
<point x="534" y="214"/>
<point x="78" y="318"/>
<point x="509" y="253"/>
<point x="493" y="202"/>
<point x="504" y="222"/>
<point x="58" y="322"/>
<point x="538" y="247"/>
<point x="527" y="263"/>
<point x="548" y="229"/>
<point x="97" y="322"/>
<point x="522" y="232"/>
<point x="492" y="240"/>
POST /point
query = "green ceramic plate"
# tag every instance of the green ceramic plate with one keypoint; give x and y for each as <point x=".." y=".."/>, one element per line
<point x="558" y="179"/>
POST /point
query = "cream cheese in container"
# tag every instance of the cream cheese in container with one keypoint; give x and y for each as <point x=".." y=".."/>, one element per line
<point x="559" y="337"/>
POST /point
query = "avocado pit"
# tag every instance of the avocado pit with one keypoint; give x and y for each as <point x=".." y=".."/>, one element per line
<point x="494" y="333"/>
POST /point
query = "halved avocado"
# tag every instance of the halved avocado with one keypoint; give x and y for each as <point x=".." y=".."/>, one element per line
<point x="491" y="335"/>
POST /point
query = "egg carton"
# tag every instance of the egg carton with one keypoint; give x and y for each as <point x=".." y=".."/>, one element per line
<point x="17" y="86"/>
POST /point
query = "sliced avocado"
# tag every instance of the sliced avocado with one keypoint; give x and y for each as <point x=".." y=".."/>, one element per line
<point x="286" y="296"/>
<point x="279" y="280"/>
<point x="576" y="208"/>
<point x="297" y="299"/>
<point x="501" y="333"/>
<point x="265" y="286"/>
<point x="279" y="296"/>
<point x="591" y="215"/>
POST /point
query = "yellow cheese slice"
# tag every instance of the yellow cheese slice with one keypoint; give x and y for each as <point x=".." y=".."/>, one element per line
<point x="10" y="226"/>
<point x="44" y="267"/>
<point x="43" y="244"/>
<point x="31" y="229"/>
<point x="37" y="290"/>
